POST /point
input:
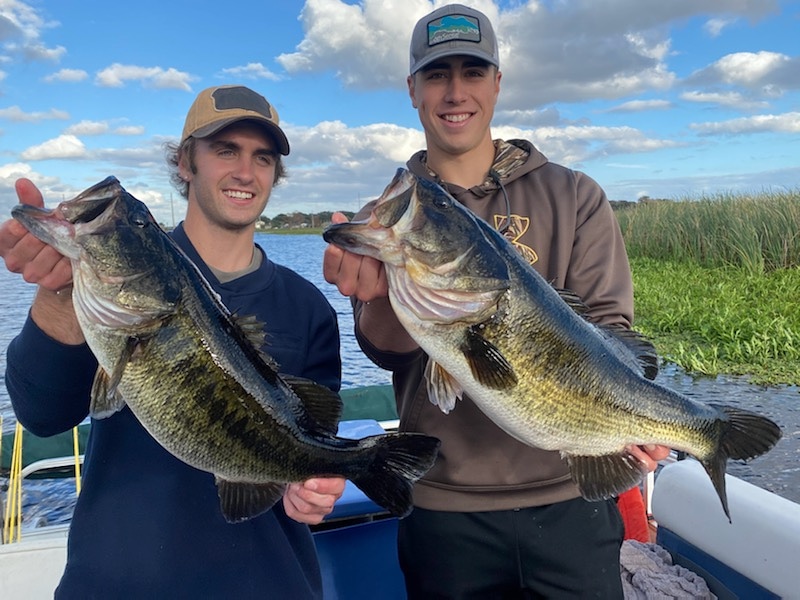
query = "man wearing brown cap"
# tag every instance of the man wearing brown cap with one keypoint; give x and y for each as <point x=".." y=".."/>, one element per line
<point x="147" y="525"/>
<point x="495" y="518"/>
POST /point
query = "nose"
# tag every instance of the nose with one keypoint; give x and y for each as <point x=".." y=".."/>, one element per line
<point x="456" y="89"/>
<point x="244" y="169"/>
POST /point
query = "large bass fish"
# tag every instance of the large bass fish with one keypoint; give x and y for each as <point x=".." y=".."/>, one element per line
<point x="495" y="330"/>
<point x="194" y="375"/>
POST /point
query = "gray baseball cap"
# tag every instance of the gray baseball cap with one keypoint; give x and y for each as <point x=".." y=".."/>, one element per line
<point x="450" y="30"/>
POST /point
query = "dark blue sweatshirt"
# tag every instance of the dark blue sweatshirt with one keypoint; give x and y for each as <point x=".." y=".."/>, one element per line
<point x="147" y="525"/>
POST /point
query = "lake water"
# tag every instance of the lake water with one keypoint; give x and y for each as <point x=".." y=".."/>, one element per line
<point x="777" y="471"/>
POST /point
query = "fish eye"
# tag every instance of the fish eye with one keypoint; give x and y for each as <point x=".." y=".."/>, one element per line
<point x="443" y="202"/>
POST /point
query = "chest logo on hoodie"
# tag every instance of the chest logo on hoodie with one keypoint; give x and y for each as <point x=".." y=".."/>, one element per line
<point x="514" y="231"/>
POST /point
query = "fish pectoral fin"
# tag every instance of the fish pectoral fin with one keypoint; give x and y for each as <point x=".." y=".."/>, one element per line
<point x="488" y="365"/>
<point x="105" y="399"/>
<point x="240" y="501"/>
<point x="602" y="477"/>
<point x="443" y="389"/>
<point x="324" y="405"/>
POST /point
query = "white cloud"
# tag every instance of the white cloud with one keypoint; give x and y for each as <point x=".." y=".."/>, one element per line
<point x="64" y="146"/>
<point x="87" y="128"/>
<point x="714" y="27"/>
<point x="766" y="73"/>
<point x="16" y="114"/>
<point x="20" y="30"/>
<point x="784" y="123"/>
<point x="749" y="68"/>
<point x="155" y="77"/>
<point x="729" y="99"/>
<point x="641" y="105"/>
<point x="129" y="130"/>
<point x="358" y="42"/>
<point x="67" y="76"/>
<point x="251" y="71"/>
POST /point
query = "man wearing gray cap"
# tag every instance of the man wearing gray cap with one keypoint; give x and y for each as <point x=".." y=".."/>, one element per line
<point x="495" y="518"/>
<point x="147" y="525"/>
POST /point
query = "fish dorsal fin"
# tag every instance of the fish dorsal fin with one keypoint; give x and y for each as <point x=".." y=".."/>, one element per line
<point x="443" y="389"/>
<point x="323" y="405"/>
<point x="488" y="365"/>
<point x="631" y="346"/>
<point x="602" y="477"/>
<point x="240" y="501"/>
<point x="252" y="328"/>
<point x="105" y="397"/>
<point x="573" y="300"/>
<point x="636" y="348"/>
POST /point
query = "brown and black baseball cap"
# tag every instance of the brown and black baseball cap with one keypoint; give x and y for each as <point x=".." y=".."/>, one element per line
<point x="220" y="106"/>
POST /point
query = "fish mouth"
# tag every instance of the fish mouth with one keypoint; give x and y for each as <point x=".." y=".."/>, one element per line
<point x="92" y="203"/>
<point x="59" y="227"/>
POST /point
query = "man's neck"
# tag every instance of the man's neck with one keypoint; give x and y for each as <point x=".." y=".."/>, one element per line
<point x="465" y="170"/>
<point x="226" y="250"/>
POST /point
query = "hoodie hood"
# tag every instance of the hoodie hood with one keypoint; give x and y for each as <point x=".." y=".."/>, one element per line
<point x="513" y="159"/>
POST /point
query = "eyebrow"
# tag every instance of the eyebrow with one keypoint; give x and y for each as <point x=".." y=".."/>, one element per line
<point x="468" y="63"/>
<point x="234" y="146"/>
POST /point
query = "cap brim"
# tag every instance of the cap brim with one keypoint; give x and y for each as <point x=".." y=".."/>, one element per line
<point x="445" y="52"/>
<point x="281" y="141"/>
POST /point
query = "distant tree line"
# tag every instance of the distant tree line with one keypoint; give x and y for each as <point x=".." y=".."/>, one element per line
<point x="299" y="220"/>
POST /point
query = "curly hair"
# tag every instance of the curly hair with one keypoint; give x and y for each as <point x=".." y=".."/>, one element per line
<point x="176" y="152"/>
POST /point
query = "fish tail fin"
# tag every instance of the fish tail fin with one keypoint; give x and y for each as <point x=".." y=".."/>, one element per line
<point x="745" y="435"/>
<point x="399" y="459"/>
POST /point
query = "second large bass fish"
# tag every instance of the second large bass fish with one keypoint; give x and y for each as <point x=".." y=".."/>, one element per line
<point x="496" y="331"/>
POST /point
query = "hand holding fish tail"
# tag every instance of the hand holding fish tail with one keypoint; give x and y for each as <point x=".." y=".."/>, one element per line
<point x="649" y="455"/>
<point x="311" y="501"/>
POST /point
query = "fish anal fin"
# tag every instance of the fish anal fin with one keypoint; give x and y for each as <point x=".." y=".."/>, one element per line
<point x="602" y="477"/>
<point x="324" y="406"/>
<point x="488" y="365"/>
<point x="443" y="389"/>
<point x="240" y="501"/>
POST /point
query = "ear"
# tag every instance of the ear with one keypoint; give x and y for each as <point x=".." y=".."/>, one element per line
<point x="411" y="90"/>
<point x="183" y="169"/>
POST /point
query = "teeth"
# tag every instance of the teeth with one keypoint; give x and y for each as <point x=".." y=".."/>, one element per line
<point x="456" y="118"/>
<point x="238" y="195"/>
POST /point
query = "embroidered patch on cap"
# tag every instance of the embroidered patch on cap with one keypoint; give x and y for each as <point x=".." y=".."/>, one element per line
<point x="453" y="27"/>
<point x="227" y="98"/>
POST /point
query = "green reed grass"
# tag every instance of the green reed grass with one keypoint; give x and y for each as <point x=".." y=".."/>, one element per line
<point x="715" y="320"/>
<point x="758" y="233"/>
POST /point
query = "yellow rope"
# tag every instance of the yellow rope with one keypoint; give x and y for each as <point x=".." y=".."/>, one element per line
<point x="12" y="518"/>
<point x="13" y="515"/>
<point x="76" y="449"/>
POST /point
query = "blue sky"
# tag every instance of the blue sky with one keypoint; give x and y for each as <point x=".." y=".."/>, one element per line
<point x="670" y="99"/>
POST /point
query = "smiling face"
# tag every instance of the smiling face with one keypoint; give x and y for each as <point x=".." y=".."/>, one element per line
<point x="455" y="99"/>
<point x="233" y="175"/>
